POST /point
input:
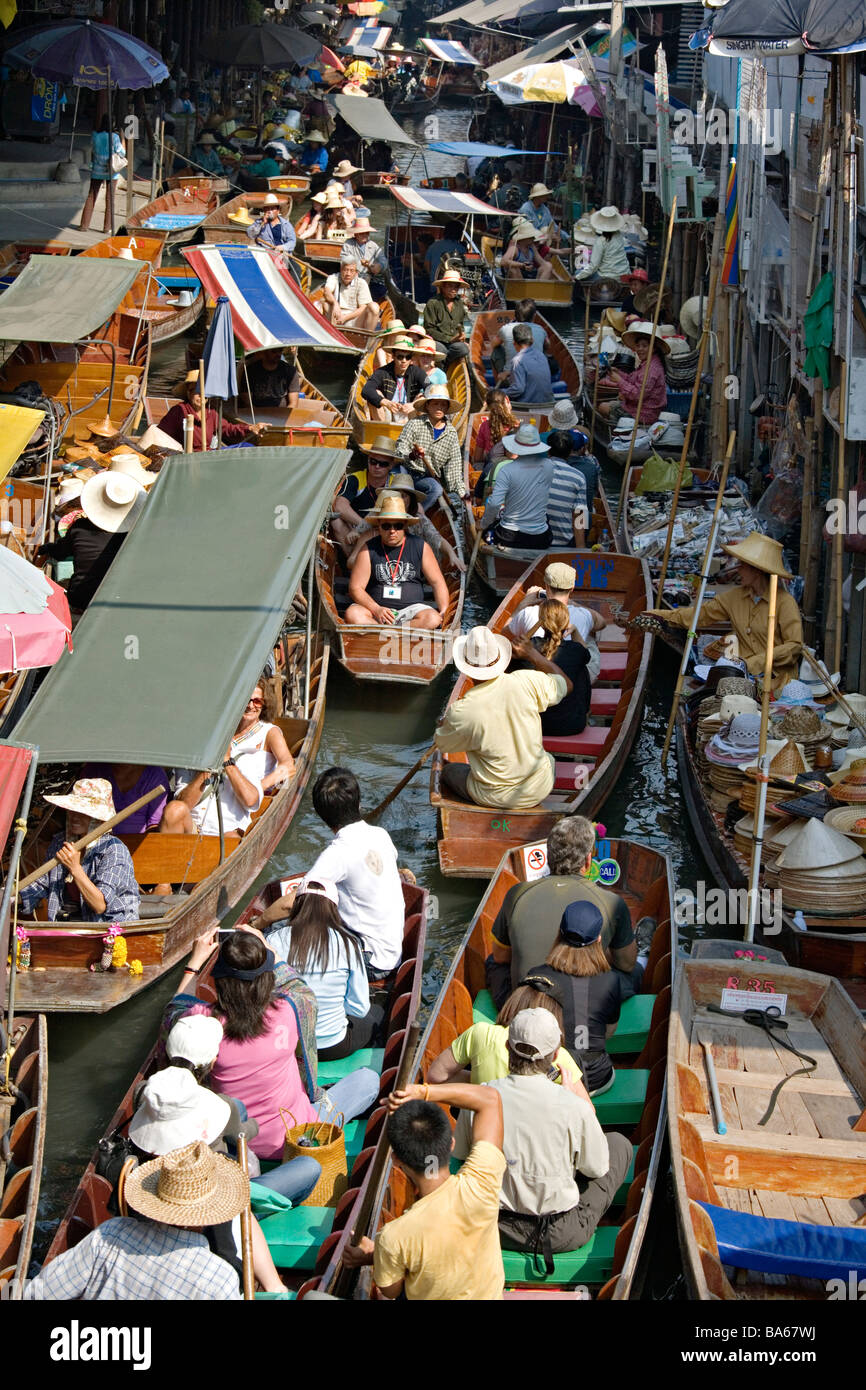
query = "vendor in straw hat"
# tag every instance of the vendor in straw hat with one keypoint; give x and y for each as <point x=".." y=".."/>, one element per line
<point x="523" y="256"/>
<point x="272" y="228"/>
<point x="608" y="260"/>
<point x="191" y="405"/>
<point x="497" y="723"/>
<point x="96" y="884"/>
<point x="445" y="314"/>
<point x="390" y="391"/>
<point x="308" y="224"/>
<point x="369" y="255"/>
<point x="745" y="607"/>
<point x="314" y="155"/>
<point x="162" y="1250"/>
<point x="536" y="211"/>
<point x="204" y="158"/>
<point x="388" y="578"/>
<point x="347" y="302"/>
<point x="108" y="506"/>
<point x="430" y="445"/>
<point x="630" y="384"/>
<point x="343" y="173"/>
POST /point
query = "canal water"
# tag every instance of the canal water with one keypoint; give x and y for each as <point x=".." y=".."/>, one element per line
<point x="379" y="732"/>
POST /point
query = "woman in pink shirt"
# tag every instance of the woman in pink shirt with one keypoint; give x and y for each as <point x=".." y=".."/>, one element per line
<point x="629" y="384"/>
<point x="266" y="1059"/>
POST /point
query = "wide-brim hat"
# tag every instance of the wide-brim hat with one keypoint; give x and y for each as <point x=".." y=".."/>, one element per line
<point x="761" y="552"/>
<point x="644" y="329"/>
<point x="191" y="1186"/>
<point x="540" y="190"/>
<point x="396" y="329"/>
<point x="524" y="231"/>
<point x="333" y="200"/>
<point x="482" y="654"/>
<point x="381" y="444"/>
<point x="320" y="198"/>
<point x="90" y="796"/>
<point x="270" y="200"/>
<point x="429" y="346"/>
<point x="608" y="219"/>
<point x="112" y="501"/>
<point x="563" y="416"/>
<point x="391" y="508"/>
<point x="315" y="137"/>
<point x="361" y="224"/>
<point x="525" y="440"/>
<point x="692" y="314"/>
<point x="451" y="277"/>
<point x="103" y="429"/>
<point x="243" y="217"/>
<point x="174" y="1111"/>
<point x="129" y="466"/>
<point x="345" y="169"/>
<point x="206" y="138"/>
<point x="436" y="393"/>
<point x="403" y="482"/>
<point x="645" y="300"/>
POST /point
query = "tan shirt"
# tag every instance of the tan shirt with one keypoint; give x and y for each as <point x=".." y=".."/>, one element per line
<point x="749" y="617"/>
<point x="446" y="1246"/>
<point x="498" y="725"/>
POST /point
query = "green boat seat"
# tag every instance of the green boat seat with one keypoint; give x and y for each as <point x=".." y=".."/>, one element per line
<point x="287" y="1296"/>
<point x="294" y="1236"/>
<point x="624" y="1102"/>
<point x="329" y="1072"/>
<point x="484" y="1010"/>
<point x="633" y="1027"/>
<point x="592" y="1264"/>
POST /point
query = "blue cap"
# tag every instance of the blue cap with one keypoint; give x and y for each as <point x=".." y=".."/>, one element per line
<point x="581" y="924"/>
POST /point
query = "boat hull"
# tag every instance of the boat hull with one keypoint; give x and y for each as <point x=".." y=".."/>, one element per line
<point x="23" y="1120"/>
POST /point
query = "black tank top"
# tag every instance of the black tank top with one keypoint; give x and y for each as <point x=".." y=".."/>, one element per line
<point x="589" y="1004"/>
<point x="387" y="571"/>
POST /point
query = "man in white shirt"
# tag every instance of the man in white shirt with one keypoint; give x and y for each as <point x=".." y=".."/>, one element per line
<point x="362" y="861"/>
<point x="562" y="1171"/>
<point x="559" y="582"/>
<point x="347" y="299"/>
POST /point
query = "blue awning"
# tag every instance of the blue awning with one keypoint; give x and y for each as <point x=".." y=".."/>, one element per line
<point x="468" y="149"/>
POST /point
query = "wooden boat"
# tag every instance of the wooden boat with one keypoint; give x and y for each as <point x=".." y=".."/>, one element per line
<point x="167" y="316"/>
<point x="781" y="1204"/>
<point x="484" y="332"/>
<point x="23" y="1111"/>
<point x="188" y="178"/>
<point x="314" y="420"/>
<point x="366" y="430"/>
<point x="297" y="185"/>
<point x="300" y="1240"/>
<point x="185" y="210"/>
<point x="89" y="380"/>
<point x="500" y="568"/>
<point x="59" y="978"/>
<point x="375" y="182"/>
<point x="407" y="656"/>
<point x="610" y="1263"/>
<point x="472" y="838"/>
<point x="219" y="229"/>
<point x="831" y="945"/>
<point x="15" y="255"/>
<point x="399" y="240"/>
<point x="555" y="293"/>
<point x="324" y="250"/>
<point x="360" y="339"/>
<point x="418" y="106"/>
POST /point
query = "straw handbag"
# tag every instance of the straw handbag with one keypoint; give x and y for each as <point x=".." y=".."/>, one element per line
<point x="328" y="1149"/>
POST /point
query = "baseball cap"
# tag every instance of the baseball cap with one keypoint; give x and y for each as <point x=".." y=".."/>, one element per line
<point x="534" y="1033"/>
<point x="581" y="924"/>
<point x="560" y="577"/>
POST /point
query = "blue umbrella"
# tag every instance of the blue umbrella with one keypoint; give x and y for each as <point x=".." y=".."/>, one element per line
<point x="220" y="373"/>
<point x="82" y="54"/>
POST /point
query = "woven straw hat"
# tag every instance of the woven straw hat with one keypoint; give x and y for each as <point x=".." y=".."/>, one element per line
<point x="852" y="786"/>
<point x="321" y="198"/>
<point x="761" y="552"/>
<point x="644" y="329"/>
<point x="191" y="1186"/>
<point x="402" y="482"/>
<point x="435" y="393"/>
<point x="540" y="190"/>
<point x="852" y="758"/>
<point x="608" y="219"/>
<point x="112" y="501"/>
<point x="396" y="329"/>
<point x="391" y="508"/>
<point x="789" y="761"/>
<point x="315" y="137"/>
<point x="243" y="217"/>
<point x="451" y="277"/>
<point x="817" y="847"/>
<point x="735" y="685"/>
<point x="382" y="444"/>
<point x="270" y="201"/>
<point x="428" y="345"/>
<point x="482" y="654"/>
<point x="845" y="819"/>
<point x="799" y="722"/>
<point x="90" y="796"/>
<point x="361" y="224"/>
<point x="736" y="704"/>
<point x="345" y="169"/>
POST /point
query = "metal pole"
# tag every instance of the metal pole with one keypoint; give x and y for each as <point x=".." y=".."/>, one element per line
<point x="763" y="765"/>
<point x="308" y="660"/>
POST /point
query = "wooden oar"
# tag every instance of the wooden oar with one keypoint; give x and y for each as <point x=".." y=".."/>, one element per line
<point x="476" y="547"/>
<point x="375" y="814"/>
<point x="249" y="1282"/>
<point x="827" y="679"/>
<point x="92" y="835"/>
<point x="763" y="765"/>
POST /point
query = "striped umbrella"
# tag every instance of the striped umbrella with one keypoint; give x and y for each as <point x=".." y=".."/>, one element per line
<point x="81" y="54"/>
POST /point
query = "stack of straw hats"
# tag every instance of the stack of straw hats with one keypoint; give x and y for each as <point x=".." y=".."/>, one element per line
<point x="724" y="754"/>
<point x="822" y="871"/>
<point x="850" y="821"/>
<point x="849" y="784"/>
<point x="806" y="727"/>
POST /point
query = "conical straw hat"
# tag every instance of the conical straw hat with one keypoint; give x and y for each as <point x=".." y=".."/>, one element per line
<point x="789" y="761"/>
<point x="780" y="838"/>
<point x="817" y="847"/>
<point x="761" y="552"/>
<point x="831" y="874"/>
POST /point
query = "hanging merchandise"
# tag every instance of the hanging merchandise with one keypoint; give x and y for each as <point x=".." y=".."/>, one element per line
<point x="818" y="330"/>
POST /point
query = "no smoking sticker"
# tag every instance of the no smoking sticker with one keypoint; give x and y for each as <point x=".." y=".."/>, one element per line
<point x="535" y="861"/>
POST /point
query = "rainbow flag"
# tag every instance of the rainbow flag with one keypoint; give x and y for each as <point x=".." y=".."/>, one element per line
<point x="731" y="263"/>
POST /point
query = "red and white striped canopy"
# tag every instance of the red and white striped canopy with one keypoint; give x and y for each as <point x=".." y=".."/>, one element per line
<point x="445" y="200"/>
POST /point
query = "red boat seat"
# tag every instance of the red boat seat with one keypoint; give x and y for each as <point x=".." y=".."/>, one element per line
<point x="586" y="745"/>
<point x="564" y="776"/>
<point x="605" y="702"/>
<point x="613" y="665"/>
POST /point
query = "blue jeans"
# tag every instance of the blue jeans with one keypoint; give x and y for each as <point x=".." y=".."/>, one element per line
<point x="349" y="1096"/>
<point x="295" y="1179"/>
<point x="429" y="488"/>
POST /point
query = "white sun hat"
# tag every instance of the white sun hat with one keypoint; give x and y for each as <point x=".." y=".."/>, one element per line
<point x="175" y="1111"/>
<point x="482" y="654"/>
<point x="112" y="501"/>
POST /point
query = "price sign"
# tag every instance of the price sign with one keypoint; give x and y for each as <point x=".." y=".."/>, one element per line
<point x="738" y="1000"/>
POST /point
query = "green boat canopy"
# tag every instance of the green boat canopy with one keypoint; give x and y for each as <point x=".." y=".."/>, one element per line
<point x="370" y="118"/>
<point x="181" y="627"/>
<point x="62" y="299"/>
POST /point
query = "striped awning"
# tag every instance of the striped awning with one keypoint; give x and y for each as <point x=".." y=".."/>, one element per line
<point x="447" y="51"/>
<point x="365" y="35"/>
<point x="443" y="200"/>
<point x="268" y="308"/>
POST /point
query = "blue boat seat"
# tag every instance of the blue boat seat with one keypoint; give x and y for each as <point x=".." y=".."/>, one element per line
<point x="770" y="1245"/>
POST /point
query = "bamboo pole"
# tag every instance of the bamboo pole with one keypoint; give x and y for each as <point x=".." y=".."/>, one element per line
<point x="249" y="1282"/>
<point x="763" y="765"/>
<point x="656" y="314"/>
<point x="705" y="574"/>
<point x="92" y="835"/>
<point x="810" y="573"/>
<point x="702" y="352"/>
<point x="203" y="406"/>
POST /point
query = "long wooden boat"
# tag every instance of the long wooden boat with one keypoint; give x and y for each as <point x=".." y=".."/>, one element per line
<point x="59" y="978"/>
<point x="497" y="566"/>
<point x="324" y="250"/>
<point x="781" y="1203"/>
<point x="15" y="255"/>
<point x="166" y="315"/>
<point x="301" y="1240"/>
<point x="483" y="336"/>
<point x="181" y="213"/>
<point x="472" y="838"/>
<point x="555" y="293"/>
<point x="219" y="229"/>
<point x="408" y="656"/>
<point x="89" y="380"/>
<point x="612" y="1263"/>
<point x="188" y="178"/>
<point x="400" y="240"/>
<point x="360" y="339"/>
<point x="417" y="106"/>
<point x="366" y="430"/>
<point x="23" y="1111"/>
<point x="296" y="185"/>
<point x="831" y="945"/>
<point x="314" y="420"/>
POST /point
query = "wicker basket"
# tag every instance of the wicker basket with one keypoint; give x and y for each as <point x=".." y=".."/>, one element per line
<point x="330" y="1152"/>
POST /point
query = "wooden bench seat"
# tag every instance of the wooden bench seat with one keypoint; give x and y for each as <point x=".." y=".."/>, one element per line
<point x="160" y="858"/>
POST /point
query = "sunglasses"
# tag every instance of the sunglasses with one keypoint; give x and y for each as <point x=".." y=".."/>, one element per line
<point x="393" y="525"/>
<point x="255" y="701"/>
<point x="401" y="354"/>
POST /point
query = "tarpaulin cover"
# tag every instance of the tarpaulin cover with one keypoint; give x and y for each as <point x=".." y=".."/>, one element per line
<point x="183" y="623"/>
<point x="371" y="119"/>
<point x="471" y="149"/>
<point x="789" y="26"/>
<point x="14" y="763"/>
<point x="549" y="47"/>
<point x="268" y="308"/>
<point x="17" y="426"/>
<point x="61" y="299"/>
<point x="449" y="51"/>
<point x="444" y="200"/>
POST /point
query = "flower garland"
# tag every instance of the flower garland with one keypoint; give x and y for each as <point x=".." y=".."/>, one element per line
<point x="114" y="954"/>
